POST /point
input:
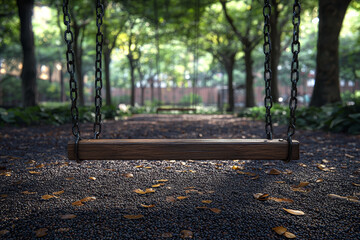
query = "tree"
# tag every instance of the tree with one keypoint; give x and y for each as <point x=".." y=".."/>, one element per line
<point x="28" y="73"/>
<point x="327" y="87"/>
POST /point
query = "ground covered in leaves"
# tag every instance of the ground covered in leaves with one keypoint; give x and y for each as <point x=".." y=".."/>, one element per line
<point x="42" y="194"/>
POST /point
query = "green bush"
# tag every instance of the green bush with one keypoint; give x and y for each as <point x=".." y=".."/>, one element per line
<point x="190" y="99"/>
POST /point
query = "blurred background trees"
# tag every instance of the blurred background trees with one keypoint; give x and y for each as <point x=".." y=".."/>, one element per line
<point x="191" y="52"/>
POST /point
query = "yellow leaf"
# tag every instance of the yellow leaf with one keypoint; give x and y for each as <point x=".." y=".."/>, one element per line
<point x="186" y="234"/>
<point x="139" y="166"/>
<point x="40" y="165"/>
<point x="294" y="212"/>
<point x="68" y="216"/>
<point x="356" y="184"/>
<point x="162" y="180"/>
<point x="319" y="180"/>
<point x="147" y="167"/>
<point x="237" y="168"/>
<point x="156" y="185"/>
<point x="149" y="190"/>
<point x="148" y="206"/>
<point x="279" y="230"/>
<point x="182" y="197"/>
<point x="206" y="201"/>
<point x="261" y="196"/>
<point x="46" y="197"/>
<point x="27" y="192"/>
<point x="167" y="168"/>
<point x="59" y="192"/>
<point x="77" y="203"/>
<point x="34" y="172"/>
<point x="7" y="173"/>
<point x="139" y="191"/>
<point x="273" y="171"/>
<point x="300" y="189"/>
<point x="88" y="199"/>
<point x="289" y="235"/>
<point x="41" y="232"/>
<point x="128" y="175"/>
<point x="215" y="210"/>
<point x="92" y="178"/>
<point x="133" y="216"/>
<point x="281" y="199"/>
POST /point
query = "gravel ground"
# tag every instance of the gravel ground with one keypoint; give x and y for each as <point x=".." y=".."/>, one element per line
<point x="34" y="159"/>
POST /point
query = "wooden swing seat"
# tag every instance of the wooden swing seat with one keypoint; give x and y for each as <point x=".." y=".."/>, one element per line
<point x="183" y="149"/>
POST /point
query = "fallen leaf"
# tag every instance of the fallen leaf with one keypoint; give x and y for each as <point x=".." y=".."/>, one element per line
<point x="139" y="191"/>
<point x="109" y="169"/>
<point x="186" y="234"/>
<point x="88" y="199"/>
<point x="206" y="201"/>
<point x="162" y="180"/>
<point x="279" y="230"/>
<point x="92" y="178"/>
<point x="70" y="178"/>
<point x="273" y="171"/>
<point x="294" y="212"/>
<point x="325" y="161"/>
<point x="319" y="180"/>
<point x="139" y="166"/>
<point x="147" y="167"/>
<point x="281" y="199"/>
<point x="28" y="193"/>
<point x="3" y="232"/>
<point x="68" y="216"/>
<point x="166" y="235"/>
<point x="300" y="190"/>
<point x="148" y="206"/>
<point x="182" y="197"/>
<point x="59" y="192"/>
<point x="46" y="197"/>
<point x="261" y="196"/>
<point x="30" y="162"/>
<point x="156" y="185"/>
<point x="201" y="208"/>
<point x="254" y="178"/>
<point x="289" y="235"/>
<point x="279" y="181"/>
<point x="170" y="199"/>
<point x="349" y="156"/>
<point x="40" y="165"/>
<point x="302" y="165"/>
<point x="6" y="173"/>
<point x="237" y="167"/>
<point x="3" y="195"/>
<point x="77" y="203"/>
<point x="149" y="190"/>
<point x="167" y="168"/>
<point x="356" y="184"/>
<point x="215" y="210"/>
<point x="133" y="216"/>
<point x="301" y="184"/>
<point x="323" y="167"/>
<point x="34" y="172"/>
<point x="41" y="232"/>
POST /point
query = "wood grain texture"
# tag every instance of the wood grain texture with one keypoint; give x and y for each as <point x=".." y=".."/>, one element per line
<point x="183" y="149"/>
<point x="175" y="109"/>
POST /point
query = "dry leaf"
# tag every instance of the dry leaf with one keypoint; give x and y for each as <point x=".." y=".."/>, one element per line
<point x="156" y="185"/>
<point x="70" y="178"/>
<point x="349" y="156"/>
<point x="356" y="184"/>
<point x="167" y="168"/>
<point x="273" y="171"/>
<point x="182" y="197"/>
<point x="279" y="181"/>
<point x="139" y="191"/>
<point x="186" y="234"/>
<point x="133" y="216"/>
<point x="302" y="165"/>
<point x="3" y="232"/>
<point x="68" y="216"/>
<point x="301" y="184"/>
<point x="287" y="171"/>
<point x="162" y="180"/>
<point x="41" y="232"/>
<point x="147" y="167"/>
<point x="149" y="190"/>
<point x="201" y="208"/>
<point x="28" y="193"/>
<point x="300" y="190"/>
<point x="279" y="230"/>
<point x="88" y="199"/>
<point x="319" y="180"/>
<point x="281" y="199"/>
<point x="170" y="199"/>
<point x="59" y="192"/>
<point x="261" y="196"/>
<point x="3" y="195"/>
<point x="30" y="162"/>
<point x="254" y="178"/>
<point x="6" y="173"/>
<point x="77" y="203"/>
<point x="237" y="168"/>
<point x="294" y="212"/>
<point x="289" y="235"/>
<point x="92" y="178"/>
<point x="46" y="197"/>
<point x="139" y="166"/>
<point x="206" y="201"/>
<point x="166" y="235"/>
<point x="34" y="172"/>
<point x="148" y="206"/>
<point x="215" y="210"/>
<point x="109" y="169"/>
<point x="40" y="165"/>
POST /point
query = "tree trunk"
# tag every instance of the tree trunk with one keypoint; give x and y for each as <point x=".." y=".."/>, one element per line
<point x="62" y="87"/>
<point x="229" y="67"/>
<point x="132" y="70"/>
<point x="107" y="61"/>
<point x="152" y="89"/>
<point x="78" y="64"/>
<point x="142" y="95"/>
<point x="275" y="37"/>
<point x="250" y="98"/>
<point x="28" y="73"/>
<point x="327" y="87"/>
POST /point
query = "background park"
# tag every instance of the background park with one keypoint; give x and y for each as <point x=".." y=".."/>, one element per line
<point x="168" y="69"/>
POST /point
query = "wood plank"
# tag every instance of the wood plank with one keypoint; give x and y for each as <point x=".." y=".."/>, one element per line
<point x="175" y="109"/>
<point x="183" y="149"/>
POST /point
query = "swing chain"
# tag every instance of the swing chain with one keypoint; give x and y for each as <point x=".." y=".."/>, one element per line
<point x="295" y="49"/>
<point x="267" y="69"/>
<point x="70" y="65"/>
<point x="98" y="72"/>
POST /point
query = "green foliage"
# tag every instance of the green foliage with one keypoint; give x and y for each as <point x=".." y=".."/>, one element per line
<point x="190" y="99"/>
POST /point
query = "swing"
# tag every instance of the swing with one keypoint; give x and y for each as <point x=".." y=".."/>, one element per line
<point x="183" y="149"/>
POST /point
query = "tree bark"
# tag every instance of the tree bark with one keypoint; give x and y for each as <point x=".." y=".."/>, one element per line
<point x="275" y="37"/>
<point x="28" y="73"/>
<point x="62" y="87"/>
<point x="78" y="62"/>
<point x="107" y="61"/>
<point x="327" y="86"/>
<point x="229" y="63"/>
<point x="250" y="97"/>
<point x="132" y="70"/>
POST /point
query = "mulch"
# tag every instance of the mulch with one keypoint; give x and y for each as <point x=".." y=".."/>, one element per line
<point x="33" y="164"/>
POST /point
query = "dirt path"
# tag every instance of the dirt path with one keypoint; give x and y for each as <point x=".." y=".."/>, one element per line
<point x="34" y="159"/>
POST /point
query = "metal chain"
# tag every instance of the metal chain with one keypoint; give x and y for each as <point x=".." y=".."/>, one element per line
<point x="98" y="72"/>
<point x="295" y="49"/>
<point x="267" y="69"/>
<point x="70" y="65"/>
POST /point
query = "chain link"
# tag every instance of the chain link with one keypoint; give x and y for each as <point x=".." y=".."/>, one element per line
<point x="294" y="77"/>
<point x="98" y="71"/>
<point x="70" y="65"/>
<point x="267" y="69"/>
